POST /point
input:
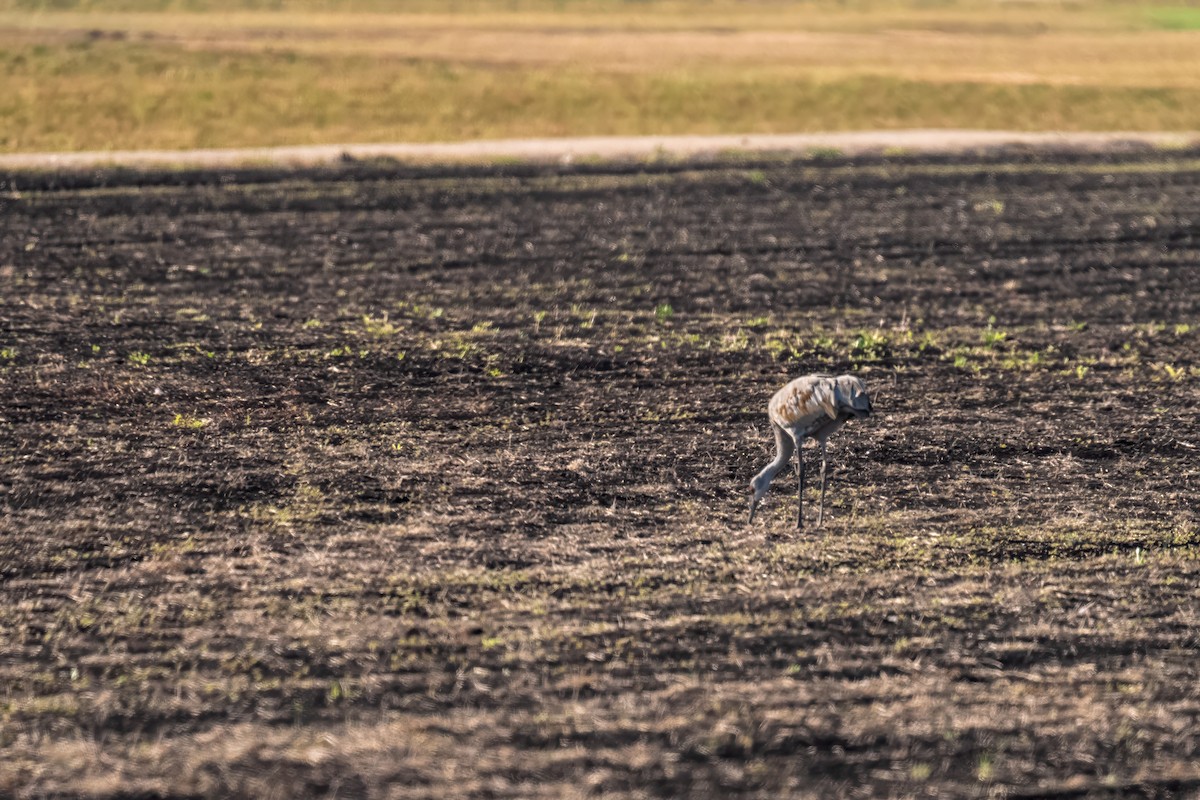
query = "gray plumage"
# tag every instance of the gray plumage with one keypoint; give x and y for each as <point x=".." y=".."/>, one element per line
<point x="813" y="406"/>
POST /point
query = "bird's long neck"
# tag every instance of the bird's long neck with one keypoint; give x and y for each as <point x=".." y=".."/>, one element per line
<point x="784" y="446"/>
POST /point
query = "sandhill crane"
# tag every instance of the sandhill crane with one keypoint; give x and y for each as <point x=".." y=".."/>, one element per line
<point x="816" y="406"/>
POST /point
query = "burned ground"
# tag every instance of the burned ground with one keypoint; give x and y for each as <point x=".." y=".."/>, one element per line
<point x="380" y="481"/>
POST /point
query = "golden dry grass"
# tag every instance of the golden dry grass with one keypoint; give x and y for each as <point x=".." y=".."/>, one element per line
<point x="103" y="79"/>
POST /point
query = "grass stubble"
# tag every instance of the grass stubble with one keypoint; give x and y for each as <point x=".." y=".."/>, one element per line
<point x="381" y="481"/>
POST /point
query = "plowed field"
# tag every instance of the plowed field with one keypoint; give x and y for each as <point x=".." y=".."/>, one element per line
<point x="386" y="481"/>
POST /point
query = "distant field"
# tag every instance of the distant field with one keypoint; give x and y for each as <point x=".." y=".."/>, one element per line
<point x="108" y="75"/>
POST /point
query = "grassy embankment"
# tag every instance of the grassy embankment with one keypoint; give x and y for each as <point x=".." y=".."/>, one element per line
<point x="115" y="75"/>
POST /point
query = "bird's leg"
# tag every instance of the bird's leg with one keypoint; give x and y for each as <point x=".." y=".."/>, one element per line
<point x="821" y="512"/>
<point x="800" y="490"/>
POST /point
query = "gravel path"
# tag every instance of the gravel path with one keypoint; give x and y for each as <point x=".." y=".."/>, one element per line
<point x="916" y="141"/>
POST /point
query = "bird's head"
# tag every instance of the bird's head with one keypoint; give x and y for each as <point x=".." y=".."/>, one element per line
<point x="868" y="411"/>
<point x="758" y="488"/>
<point x="854" y="389"/>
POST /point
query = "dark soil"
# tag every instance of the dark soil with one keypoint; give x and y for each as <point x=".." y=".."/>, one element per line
<point x="382" y="481"/>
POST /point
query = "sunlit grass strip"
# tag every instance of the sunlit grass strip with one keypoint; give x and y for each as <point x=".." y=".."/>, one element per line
<point x="121" y="95"/>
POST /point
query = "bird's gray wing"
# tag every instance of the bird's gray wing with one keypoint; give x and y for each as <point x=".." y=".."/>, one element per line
<point x="824" y="396"/>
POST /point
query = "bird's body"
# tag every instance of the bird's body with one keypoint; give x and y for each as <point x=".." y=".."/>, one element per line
<point x="814" y="406"/>
<point x="817" y="405"/>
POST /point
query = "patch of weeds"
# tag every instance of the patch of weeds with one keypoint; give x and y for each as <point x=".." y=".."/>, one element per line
<point x="736" y="342"/>
<point x="141" y="359"/>
<point x="185" y="346"/>
<point x="174" y="547"/>
<point x="421" y="312"/>
<point x="312" y="323"/>
<point x="655" y="415"/>
<point x="407" y="448"/>
<point x="823" y="342"/>
<point x="1170" y="370"/>
<point x="188" y="422"/>
<point x="961" y="358"/>
<point x="663" y="312"/>
<point x="993" y="205"/>
<point x="1183" y="329"/>
<point x="685" y="341"/>
<point x="307" y="504"/>
<point x="757" y="177"/>
<point x="782" y="346"/>
<point x="9" y="353"/>
<point x="455" y="346"/>
<point x="929" y="343"/>
<point x="1029" y="360"/>
<point x="991" y="335"/>
<point x="1129" y="354"/>
<point x="192" y="315"/>
<point x="379" y="327"/>
<point x="920" y="771"/>
<point x="824" y="153"/>
<point x="58" y="705"/>
<point x="870" y="346"/>
<point x="586" y="317"/>
<point x="335" y="692"/>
